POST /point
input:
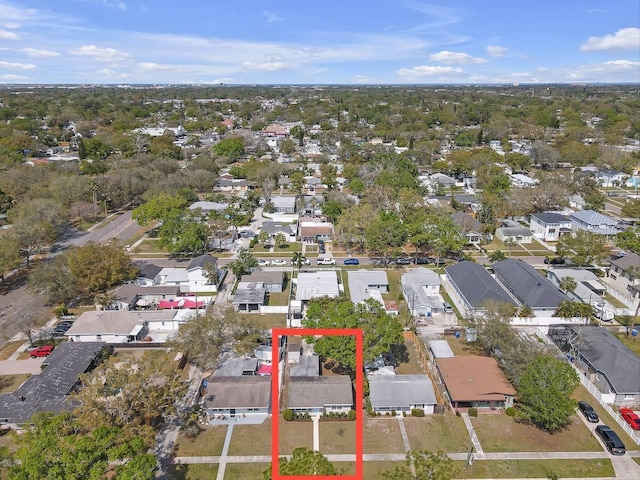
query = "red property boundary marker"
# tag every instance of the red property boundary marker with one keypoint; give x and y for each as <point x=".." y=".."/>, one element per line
<point x="275" y="400"/>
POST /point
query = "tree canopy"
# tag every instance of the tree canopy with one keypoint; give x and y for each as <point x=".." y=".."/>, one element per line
<point x="303" y="462"/>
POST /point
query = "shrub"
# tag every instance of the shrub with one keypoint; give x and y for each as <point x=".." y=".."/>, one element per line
<point x="510" y="411"/>
<point x="351" y="415"/>
<point x="458" y="413"/>
<point x="404" y="414"/>
<point x="253" y="242"/>
<point x="393" y="413"/>
<point x="288" y="415"/>
<point x="473" y="412"/>
<point x="417" y="412"/>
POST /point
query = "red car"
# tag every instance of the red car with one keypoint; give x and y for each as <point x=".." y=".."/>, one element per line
<point x="631" y="418"/>
<point x="44" y="351"/>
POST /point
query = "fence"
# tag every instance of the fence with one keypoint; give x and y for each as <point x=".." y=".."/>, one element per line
<point x="430" y="370"/>
<point x="274" y="309"/>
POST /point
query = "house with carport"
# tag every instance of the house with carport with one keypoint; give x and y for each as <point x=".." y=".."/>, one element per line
<point x="249" y="296"/>
<point x="401" y="393"/>
<point x="421" y="290"/>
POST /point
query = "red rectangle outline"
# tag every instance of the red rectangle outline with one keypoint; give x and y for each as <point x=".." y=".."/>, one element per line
<point x="276" y="333"/>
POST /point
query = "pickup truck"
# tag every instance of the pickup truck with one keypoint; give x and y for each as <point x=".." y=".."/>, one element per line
<point x="326" y="261"/>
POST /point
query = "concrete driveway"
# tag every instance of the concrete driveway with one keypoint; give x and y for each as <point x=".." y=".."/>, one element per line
<point x="17" y="367"/>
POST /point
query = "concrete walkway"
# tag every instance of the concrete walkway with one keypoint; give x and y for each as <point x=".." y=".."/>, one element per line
<point x="316" y="433"/>
<point x="472" y="434"/>
<point x="403" y="434"/>
<point x="225" y="449"/>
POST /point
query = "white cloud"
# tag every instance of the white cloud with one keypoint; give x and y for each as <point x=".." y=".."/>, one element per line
<point x="597" y="10"/>
<point x="107" y="3"/>
<point x="455" y="58"/>
<point x="6" y="35"/>
<point x="11" y="25"/>
<point x="100" y="54"/>
<point x="9" y="76"/>
<point x="39" y="53"/>
<point x="106" y="72"/>
<point x="271" y="17"/>
<point x="17" y="66"/>
<point x="268" y="66"/>
<point x="159" y="67"/>
<point x="428" y="71"/>
<point x="623" y="39"/>
<point x="497" y="51"/>
<point x="363" y="79"/>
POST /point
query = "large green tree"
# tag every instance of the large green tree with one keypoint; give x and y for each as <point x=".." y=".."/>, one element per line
<point x="159" y="207"/>
<point x="584" y="248"/>
<point x="544" y="393"/>
<point x="231" y="148"/>
<point x="244" y="264"/>
<point x="303" y="462"/>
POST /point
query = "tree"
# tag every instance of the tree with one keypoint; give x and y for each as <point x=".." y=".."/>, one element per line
<point x="569" y="309"/>
<point x="231" y="148"/>
<point x="9" y="253"/>
<point x="296" y="182"/>
<point x="280" y="239"/>
<point x="496" y="256"/>
<point x="244" y="264"/>
<point x="287" y="147"/>
<point x="211" y="273"/>
<point x="328" y="173"/>
<point x="544" y="393"/>
<point x="183" y="233"/>
<point x="629" y="240"/>
<point x="631" y="209"/>
<point x="59" y="447"/>
<point x="298" y="132"/>
<point x="423" y="465"/>
<point x="53" y="281"/>
<point x="353" y="224"/>
<point x="584" y="248"/>
<point x="159" y="207"/>
<point x="207" y="338"/>
<point x="385" y="234"/>
<point x="30" y="316"/>
<point x="236" y="213"/>
<point x="510" y="243"/>
<point x="263" y="236"/>
<point x="568" y="284"/>
<point x="268" y="184"/>
<point x="303" y="462"/>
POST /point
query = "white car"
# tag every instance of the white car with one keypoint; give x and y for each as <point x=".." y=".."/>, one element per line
<point x="263" y="263"/>
<point x="326" y="261"/>
<point x="278" y="262"/>
<point x="303" y="261"/>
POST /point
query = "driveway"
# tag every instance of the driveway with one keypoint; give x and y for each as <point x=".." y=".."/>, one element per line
<point x="17" y="367"/>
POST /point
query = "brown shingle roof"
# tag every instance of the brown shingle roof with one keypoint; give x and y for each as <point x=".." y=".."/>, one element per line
<point x="238" y="392"/>
<point x="474" y="378"/>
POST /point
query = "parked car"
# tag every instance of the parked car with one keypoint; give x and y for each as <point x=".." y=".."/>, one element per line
<point x="326" y="261"/>
<point x="588" y="411"/>
<point x="351" y="261"/>
<point x="631" y="418"/>
<point x="404" y="261"/>
<point x="278" y="262"/>
<point x="447" y="307"/>
<point x="263" y="263"/>
<point x="43" y="351"/>
<point x="554" y="261"/>
<point x="611" y="440"/>
<point x="423" y="260"/>
<point x="303" y="261"/>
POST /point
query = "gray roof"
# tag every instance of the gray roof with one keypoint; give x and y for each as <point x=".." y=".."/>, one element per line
<point x="283" y="202"/>
<point x="316" y="285"/>
<point x="249" y="293"/>
<point x="307" y="366"/>
<point x="130" y="291"/>
<point x="421" y="276"/>
<point x="201" y="261"/>
<point x="208" y="206"/>
<point x="361" y="281"/>
<point x="514" y="231"/>
<point x="149" y="271"/>
<point x="441" y="349"/>
<point x="47" y="392"/>
<point x="465" y="222"/>
<point x="238" y="392"/>
<point x="476" y="285"/>
<point x="610" y="356"/>
<point x="396" y="391"/>
<point x="626" y="262"/>
<point x="595" y="222"/>
<point x="528" y="285"/>
<point x="116" y="322"/>
<point x="276" y="227"/>
<point x="318" y="392"/>
<point x="236" y="367"/>
<point x="264" y="276"/>
<point x="550" y="217"/>
<point x="587" y="284"/>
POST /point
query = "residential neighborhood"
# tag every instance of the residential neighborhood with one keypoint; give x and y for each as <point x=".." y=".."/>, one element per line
<point x="492" y="272"/>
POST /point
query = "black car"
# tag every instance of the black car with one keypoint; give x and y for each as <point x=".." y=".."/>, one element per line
<point x="611" y="440"/>
<point x="423" y="260"/>
<point x="404" y="261"/>
<point x="588" y="411"/>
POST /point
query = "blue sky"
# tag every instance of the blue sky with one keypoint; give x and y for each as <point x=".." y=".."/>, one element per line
<point x="322" y="42"/>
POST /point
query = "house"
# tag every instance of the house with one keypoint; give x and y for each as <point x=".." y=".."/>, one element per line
<point x="273" y="228"/>
<point x="312" y="229"/>
<point x="122" y="326"/>
<point x="421" y="291"/>
<point x="549" y="226"/>
<point x="468" y="227"/>
<point x="320" y="394"/>
<point x="624" y="275"/>
<point x="282" y="204"/>
<point x="131" y="296"/>
<point x="442" y="179"/>
<point x="588" y="287"/>
<point x="471" y="287"/>
<point x="523" y="181"/>
<point x="272" y="281"/>
<point x="317" y="284"/>
<point x="363" y="282"/>
<point x="237" y="367"/>
<point x="235" y="396"/>
<point x="306" y="366"/>
<point x="207" y="207"/>
<point x="609" y="364"/>
<point x="194" y="277"/>
<point x="528" y="286"/>
<point x="312" y="205"/>
<point x="401" y="393"/>
<point x="226" y="183"/>
<point x="50" y="390"/>
<point x="610" y="178"/>
<point x="148" y="275"/>
<point x="249" y="296"/>
<point x="594" y="222"/>
<point x="512" y="231"/>
<point x="475" y="381"/>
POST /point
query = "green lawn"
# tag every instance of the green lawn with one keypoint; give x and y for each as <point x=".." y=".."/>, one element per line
<point x="501" y="433"/>
<point x="208" y="443"/>
<point x="193" y="472"/>
<point x="374" y="470"/>
<point x="244" y="471"/>
<point x="251" y="439"/>
<point x="268" y="320"/>
<point x="9" y="348"/>
<point x="294" y="434"/>
<point x="150" y="245"/>
<point x="337" y="437"/>
<point x="382" y="435"/>
<point x="535" y="469"/>
<point x="444" y="432"/>
<point x="10" y="383"/>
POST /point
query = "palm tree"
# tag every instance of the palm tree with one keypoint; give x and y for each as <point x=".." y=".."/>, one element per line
<point x="510" y="243"/>
<point x="496" y="256"/>
<point x="297" y="259"/>
<point x="568" y="284"/>
<point x="280" y="239"/>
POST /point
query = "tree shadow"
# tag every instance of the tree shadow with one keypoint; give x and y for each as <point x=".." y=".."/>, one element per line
<point x="399" y="354"/>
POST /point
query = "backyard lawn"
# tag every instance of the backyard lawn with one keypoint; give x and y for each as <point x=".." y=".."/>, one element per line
<point x="410" y="362"/>
<point x="444" y="432"/>
<point x="251" y="439"/>
<point x="501" y="433"/>
<point x="268" y="320"/>
<point x="208" y="443"/>
<point x="9" y="348"/>
<point x="597" y="468"/>
<point x="382" y="435"/>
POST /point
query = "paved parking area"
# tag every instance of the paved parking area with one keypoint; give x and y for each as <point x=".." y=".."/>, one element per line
<point x="14" y="367"/>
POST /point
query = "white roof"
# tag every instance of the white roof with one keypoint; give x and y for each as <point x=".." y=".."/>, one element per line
<point x="115" y="322"/>
<point x="317" y="285"/>
<point x="441" y="349"/>
<point x="360" y="281"/>
<point x="174" y="275"/>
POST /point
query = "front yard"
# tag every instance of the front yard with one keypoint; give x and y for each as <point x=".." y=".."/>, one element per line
<point x="208" y="443"/>
<point x="382" y="435"/>
<point x="444" y="432"/>
<point x="251" y="439"/>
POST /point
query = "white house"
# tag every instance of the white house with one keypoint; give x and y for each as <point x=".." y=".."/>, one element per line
<point x="192" y="278"/>
<point x="549" y="226"/>
<point x="317" y="284"/>
<point x="401" y="393"/>
<point x="320" y="394"/>
<point x="421" y="290"/>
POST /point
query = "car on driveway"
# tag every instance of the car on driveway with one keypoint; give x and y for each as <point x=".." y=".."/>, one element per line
<point x="43" y="351"/>
<point x="610" y="439"/>
<point x="351" y="261"/>
<point x="263" y="263"/>
<point x="631" y="418"/>
<point x="588" y="411"/>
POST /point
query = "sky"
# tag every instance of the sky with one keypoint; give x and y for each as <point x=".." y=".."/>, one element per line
<point x="319" y="42"/>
